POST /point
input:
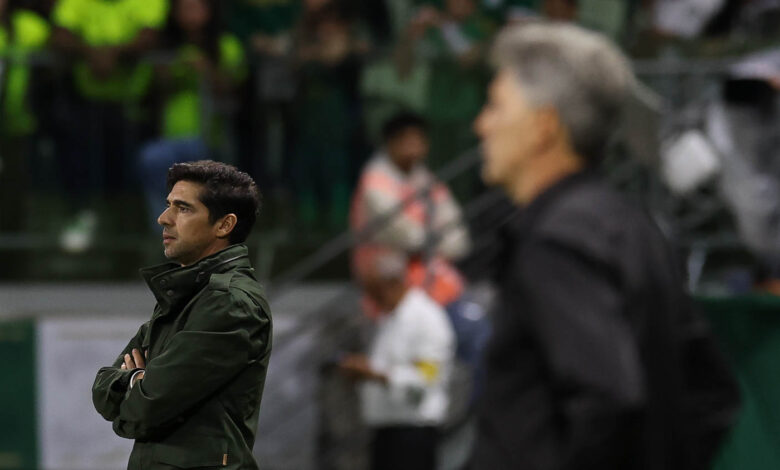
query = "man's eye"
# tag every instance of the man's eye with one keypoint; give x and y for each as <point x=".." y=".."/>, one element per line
<point x="184" y="209"/>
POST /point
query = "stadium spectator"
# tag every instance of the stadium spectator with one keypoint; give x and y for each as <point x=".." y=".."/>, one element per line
<point x="99" y="127"/>
<point x="610" y="17"/>
<point x="391" y="84"/>
<point x="208" y="64"/>
<point x="427" y="226"/>
<point x="329" y="51"/>
<point x="23" y="33"/>
<point x="403" y="394"/>
<point x="453" y="40"/>
<point x="266" y="121"/>
<point x="265" y="27"/>
<point x="374" y="19"/>
<point x="511" y="11"/>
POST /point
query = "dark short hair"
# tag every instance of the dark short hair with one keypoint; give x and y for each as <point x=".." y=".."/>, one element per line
<point x="402" y="121"/>
<point x="226" y="190"/>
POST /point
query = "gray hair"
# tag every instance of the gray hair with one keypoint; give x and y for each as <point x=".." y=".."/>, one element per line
<point x="579" y="73"/>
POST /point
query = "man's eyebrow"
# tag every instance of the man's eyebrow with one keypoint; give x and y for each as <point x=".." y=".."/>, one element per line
<point x="180" y="203"/>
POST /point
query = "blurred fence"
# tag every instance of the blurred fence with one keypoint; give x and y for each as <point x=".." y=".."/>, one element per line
<point x="46" y="186"/>
<point x="41" y="197"/>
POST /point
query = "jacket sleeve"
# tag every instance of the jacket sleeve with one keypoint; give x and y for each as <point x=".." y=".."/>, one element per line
<point x="223" y="334"/>
<point x="111" y="383"/>
<point x="577" y="313"/>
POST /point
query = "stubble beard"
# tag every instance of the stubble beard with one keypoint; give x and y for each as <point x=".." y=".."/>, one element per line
<point x="170" y="253"/>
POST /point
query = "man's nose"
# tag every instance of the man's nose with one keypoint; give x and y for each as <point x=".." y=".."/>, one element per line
<point x="164" y="218"/>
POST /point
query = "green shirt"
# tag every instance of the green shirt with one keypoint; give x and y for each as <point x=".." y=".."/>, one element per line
<point x="456" y="92"/>
<point x="111" y="23"/>
<point x="384" y="93"/>
<point x="28" y="34"/>
<point x="182" y="115"/>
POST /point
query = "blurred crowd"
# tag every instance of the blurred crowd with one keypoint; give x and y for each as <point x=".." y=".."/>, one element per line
<point x="100" y="97"/>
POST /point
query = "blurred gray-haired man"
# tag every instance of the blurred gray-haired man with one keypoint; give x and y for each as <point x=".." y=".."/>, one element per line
<point x="585" y="369"/>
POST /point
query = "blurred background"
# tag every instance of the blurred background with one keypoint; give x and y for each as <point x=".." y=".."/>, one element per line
<point x="99" y="97"/>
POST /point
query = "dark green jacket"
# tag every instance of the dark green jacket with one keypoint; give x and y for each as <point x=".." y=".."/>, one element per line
<point x="208" y="344"/>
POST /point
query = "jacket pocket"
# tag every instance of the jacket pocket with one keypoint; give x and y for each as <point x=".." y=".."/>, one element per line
<point x="196" y="452"/>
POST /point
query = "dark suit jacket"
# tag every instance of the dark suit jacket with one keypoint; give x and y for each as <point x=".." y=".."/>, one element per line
<point x="583" y="370"/>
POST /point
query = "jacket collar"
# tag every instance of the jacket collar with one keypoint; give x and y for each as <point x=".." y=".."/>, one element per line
<point x="521" y="221"/>
<point x="529" y="214"/>
<point x="172" y="283"/>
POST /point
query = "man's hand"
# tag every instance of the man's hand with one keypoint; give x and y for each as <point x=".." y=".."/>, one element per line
<point x="357" y="366"/>
<point x="136" y="361"/>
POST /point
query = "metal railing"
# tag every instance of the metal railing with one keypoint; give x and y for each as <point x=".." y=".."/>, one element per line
<point x="661" y="69"/>
<point x="622" y="174"/>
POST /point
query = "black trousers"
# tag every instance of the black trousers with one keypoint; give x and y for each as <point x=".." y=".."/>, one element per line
<point x="404" y="448"/>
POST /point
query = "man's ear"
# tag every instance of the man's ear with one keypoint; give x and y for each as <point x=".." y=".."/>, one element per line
<point x="548" y="127"/>
<point x="226" y="225"/>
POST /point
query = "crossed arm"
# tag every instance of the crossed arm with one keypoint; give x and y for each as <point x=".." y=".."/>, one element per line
<point x="214" y="345"/>
<point x="111" y="383"/>
<point x="135" y="361"/>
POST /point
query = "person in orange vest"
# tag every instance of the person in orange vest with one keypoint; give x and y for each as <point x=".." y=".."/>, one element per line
<point x="400" y="205"/>
<point x="429" y="226"/>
